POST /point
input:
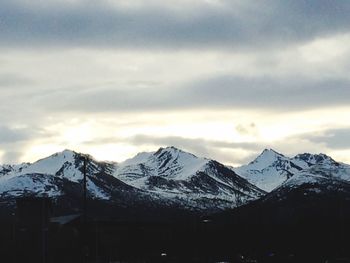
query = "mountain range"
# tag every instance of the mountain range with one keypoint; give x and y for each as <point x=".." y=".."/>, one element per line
<point x="172" y="178"/>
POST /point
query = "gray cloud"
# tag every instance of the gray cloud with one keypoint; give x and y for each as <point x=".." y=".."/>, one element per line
<point x="92" y="23"/>
<point x="290" y="93"/>
<point x="245" y="129"/>
<point x="226" y="92"/>
<point x="338" y="139"/>
<point x="9" y="81"/>
<point x="56" y="93"/>
<point x="12" y="142"/>
<point x="9" y="135"/>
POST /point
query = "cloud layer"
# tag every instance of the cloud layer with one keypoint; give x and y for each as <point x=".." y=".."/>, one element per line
<point x="221" y="78"/>
<point x="195" y="24"/>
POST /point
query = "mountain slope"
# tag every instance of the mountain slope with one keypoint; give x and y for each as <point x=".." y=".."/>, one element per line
<point x="173" y="173"/>
<point x="271" y="169"/>
<point x="60" y="175"/>
<point x="170" y="178"/>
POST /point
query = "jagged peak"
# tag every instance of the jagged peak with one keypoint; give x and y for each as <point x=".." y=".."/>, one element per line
<point x="266" y="158"/>
<point x="66" y="155"/>
<point x="268" y="154"/>
<point x="173" y="150"/>
<point x="68" y="152"/>
<point x="169" y="152"/>
<point x="65" y="152"/>
<point x="270" y="151"/>
<point x="168" y="149"/>
<point x="314" y="158"/>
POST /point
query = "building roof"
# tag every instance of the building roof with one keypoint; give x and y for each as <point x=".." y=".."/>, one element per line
<point x="63" y="220"/>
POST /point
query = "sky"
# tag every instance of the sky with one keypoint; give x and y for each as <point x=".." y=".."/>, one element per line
<point x="219" y="78"/>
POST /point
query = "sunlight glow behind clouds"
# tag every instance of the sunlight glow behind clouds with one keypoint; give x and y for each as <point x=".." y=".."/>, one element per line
<point x="116" y="139"/>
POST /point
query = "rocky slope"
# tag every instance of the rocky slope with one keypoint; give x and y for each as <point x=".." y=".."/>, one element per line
<point x="173" y="173"/>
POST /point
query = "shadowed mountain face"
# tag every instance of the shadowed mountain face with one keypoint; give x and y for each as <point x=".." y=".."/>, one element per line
<point x="173" y="173"/>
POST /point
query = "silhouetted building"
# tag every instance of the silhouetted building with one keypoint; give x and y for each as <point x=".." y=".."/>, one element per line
<point x="32" y="228"/>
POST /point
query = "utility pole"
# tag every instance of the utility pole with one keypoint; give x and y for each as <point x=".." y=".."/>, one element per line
<point x="84" y="225"/>
<point x="84" y="190"/>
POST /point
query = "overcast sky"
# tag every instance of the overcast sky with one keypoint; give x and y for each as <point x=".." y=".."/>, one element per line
<point x="220" y="78"/>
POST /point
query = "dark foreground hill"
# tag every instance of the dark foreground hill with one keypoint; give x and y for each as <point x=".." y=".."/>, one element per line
<point x="171" y="206"/>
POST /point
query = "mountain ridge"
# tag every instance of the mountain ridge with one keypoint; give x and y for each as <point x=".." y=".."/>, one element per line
<point x="169" y="177"/>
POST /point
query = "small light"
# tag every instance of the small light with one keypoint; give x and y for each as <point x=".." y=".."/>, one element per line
<point x="163" y="254"/>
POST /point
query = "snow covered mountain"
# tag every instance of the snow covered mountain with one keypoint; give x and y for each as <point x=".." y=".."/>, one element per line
<point x="271" y="169"/>
<point x="174" y="173"/>
<point x="42" y="176"/>
<point x="171" y="177"/>
<point x="320" y="175"/>
<point x="168" y="177"/>
<point x="59" y="176"/>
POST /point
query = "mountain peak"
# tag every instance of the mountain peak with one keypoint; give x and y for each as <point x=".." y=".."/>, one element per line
<point x="68" y="151"/>
<point x="172" y="150"/>
<point x="65" y="152"/>
<point x="169" y="149"/>
<point x="268" y="156"/>
<point x="314" y="158"/>
<point x="270" y="151"/>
